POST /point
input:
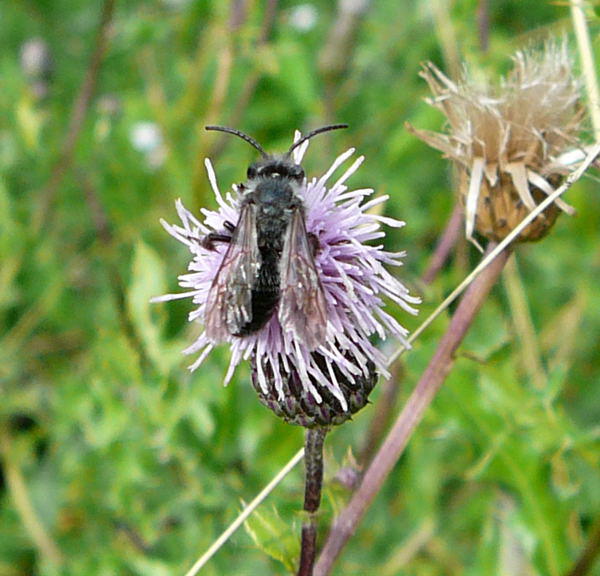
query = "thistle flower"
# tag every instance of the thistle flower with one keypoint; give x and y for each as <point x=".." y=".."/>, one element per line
<point x="291" y="378"/>
<point x="508" y="141"/>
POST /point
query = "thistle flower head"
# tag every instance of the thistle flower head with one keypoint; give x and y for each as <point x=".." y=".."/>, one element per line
<point x="355" y="283"/>
<point x="508" y="140"/>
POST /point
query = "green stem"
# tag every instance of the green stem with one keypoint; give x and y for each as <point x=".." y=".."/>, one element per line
<point x="528" y="350"/>
<point x="586" y="561"/>
<point x="22" y="502"/>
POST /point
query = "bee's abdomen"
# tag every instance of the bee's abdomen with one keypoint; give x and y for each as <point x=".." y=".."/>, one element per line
<point x="263" y="306"/>
<point x="265" y="295"/>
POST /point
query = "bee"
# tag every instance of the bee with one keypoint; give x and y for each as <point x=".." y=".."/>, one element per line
<point x="269" y="263"/>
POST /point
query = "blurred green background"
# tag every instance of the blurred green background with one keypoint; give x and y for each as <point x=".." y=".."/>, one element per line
<point x="114" y="458"/>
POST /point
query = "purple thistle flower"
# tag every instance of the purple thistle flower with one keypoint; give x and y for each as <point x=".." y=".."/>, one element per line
<point x="352" y="274"/>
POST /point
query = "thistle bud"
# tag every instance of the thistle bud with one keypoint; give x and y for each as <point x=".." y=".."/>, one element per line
<point x="508" y="141"/>
<point x="291" y="401"/>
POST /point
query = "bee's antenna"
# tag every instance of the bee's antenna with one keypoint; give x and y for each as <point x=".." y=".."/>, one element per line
<point x="241" y="135"/>
<point x="314" y="133"/>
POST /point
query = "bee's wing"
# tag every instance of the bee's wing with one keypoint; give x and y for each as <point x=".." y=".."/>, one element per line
<point x="229" y="302"/>
<point x="302" y="306"/>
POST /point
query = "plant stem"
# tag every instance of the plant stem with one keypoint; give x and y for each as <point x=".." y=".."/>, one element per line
<point x="248" y="88"/>
<point x="246" y="513"/>
<point x="17" y="488"/>
<point x="440" y="13"/>
<point x="483" y="24"/>
<point x="313" y="460"/>
<point x="528" y="345"/>
<point x="78" y="116"/>
<point x="446" y="243"/>
<point x="336" y="54"/>
<point x="586" y="561"/>
<point x="586" y="55"/>
<point x="384" y="411"/>
<point x="412" y="413"/>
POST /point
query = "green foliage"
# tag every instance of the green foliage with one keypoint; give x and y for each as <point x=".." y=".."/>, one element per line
<point x="272" y="536"/>
<point x="112" y="453"/>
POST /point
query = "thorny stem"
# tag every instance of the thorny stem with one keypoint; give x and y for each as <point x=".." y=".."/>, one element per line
<point x="412" y="413"/>
<point x="313" y="463"/>
<point x="78" y="115"/>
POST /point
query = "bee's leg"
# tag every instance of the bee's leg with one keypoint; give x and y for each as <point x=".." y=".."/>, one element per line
<point x="313" y="241"/>
<point x="209" y="240"/>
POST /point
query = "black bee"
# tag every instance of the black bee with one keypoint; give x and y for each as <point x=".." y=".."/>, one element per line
<point x="269" y="262"/>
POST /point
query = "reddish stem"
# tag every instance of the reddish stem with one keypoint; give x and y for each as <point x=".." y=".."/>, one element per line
<point x="412" y="413"/>
<point x="445" y="244"/>
<point x="586" y="561"/>
<point x="313" y="462"/>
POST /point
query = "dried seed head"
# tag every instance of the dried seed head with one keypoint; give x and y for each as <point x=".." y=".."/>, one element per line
<point x="500" y="208"/>
<point x="507" y="140"/>
<point x="298" y="406"/>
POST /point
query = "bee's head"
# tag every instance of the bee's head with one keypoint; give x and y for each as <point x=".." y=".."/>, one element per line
<point x="276" y="167"/>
